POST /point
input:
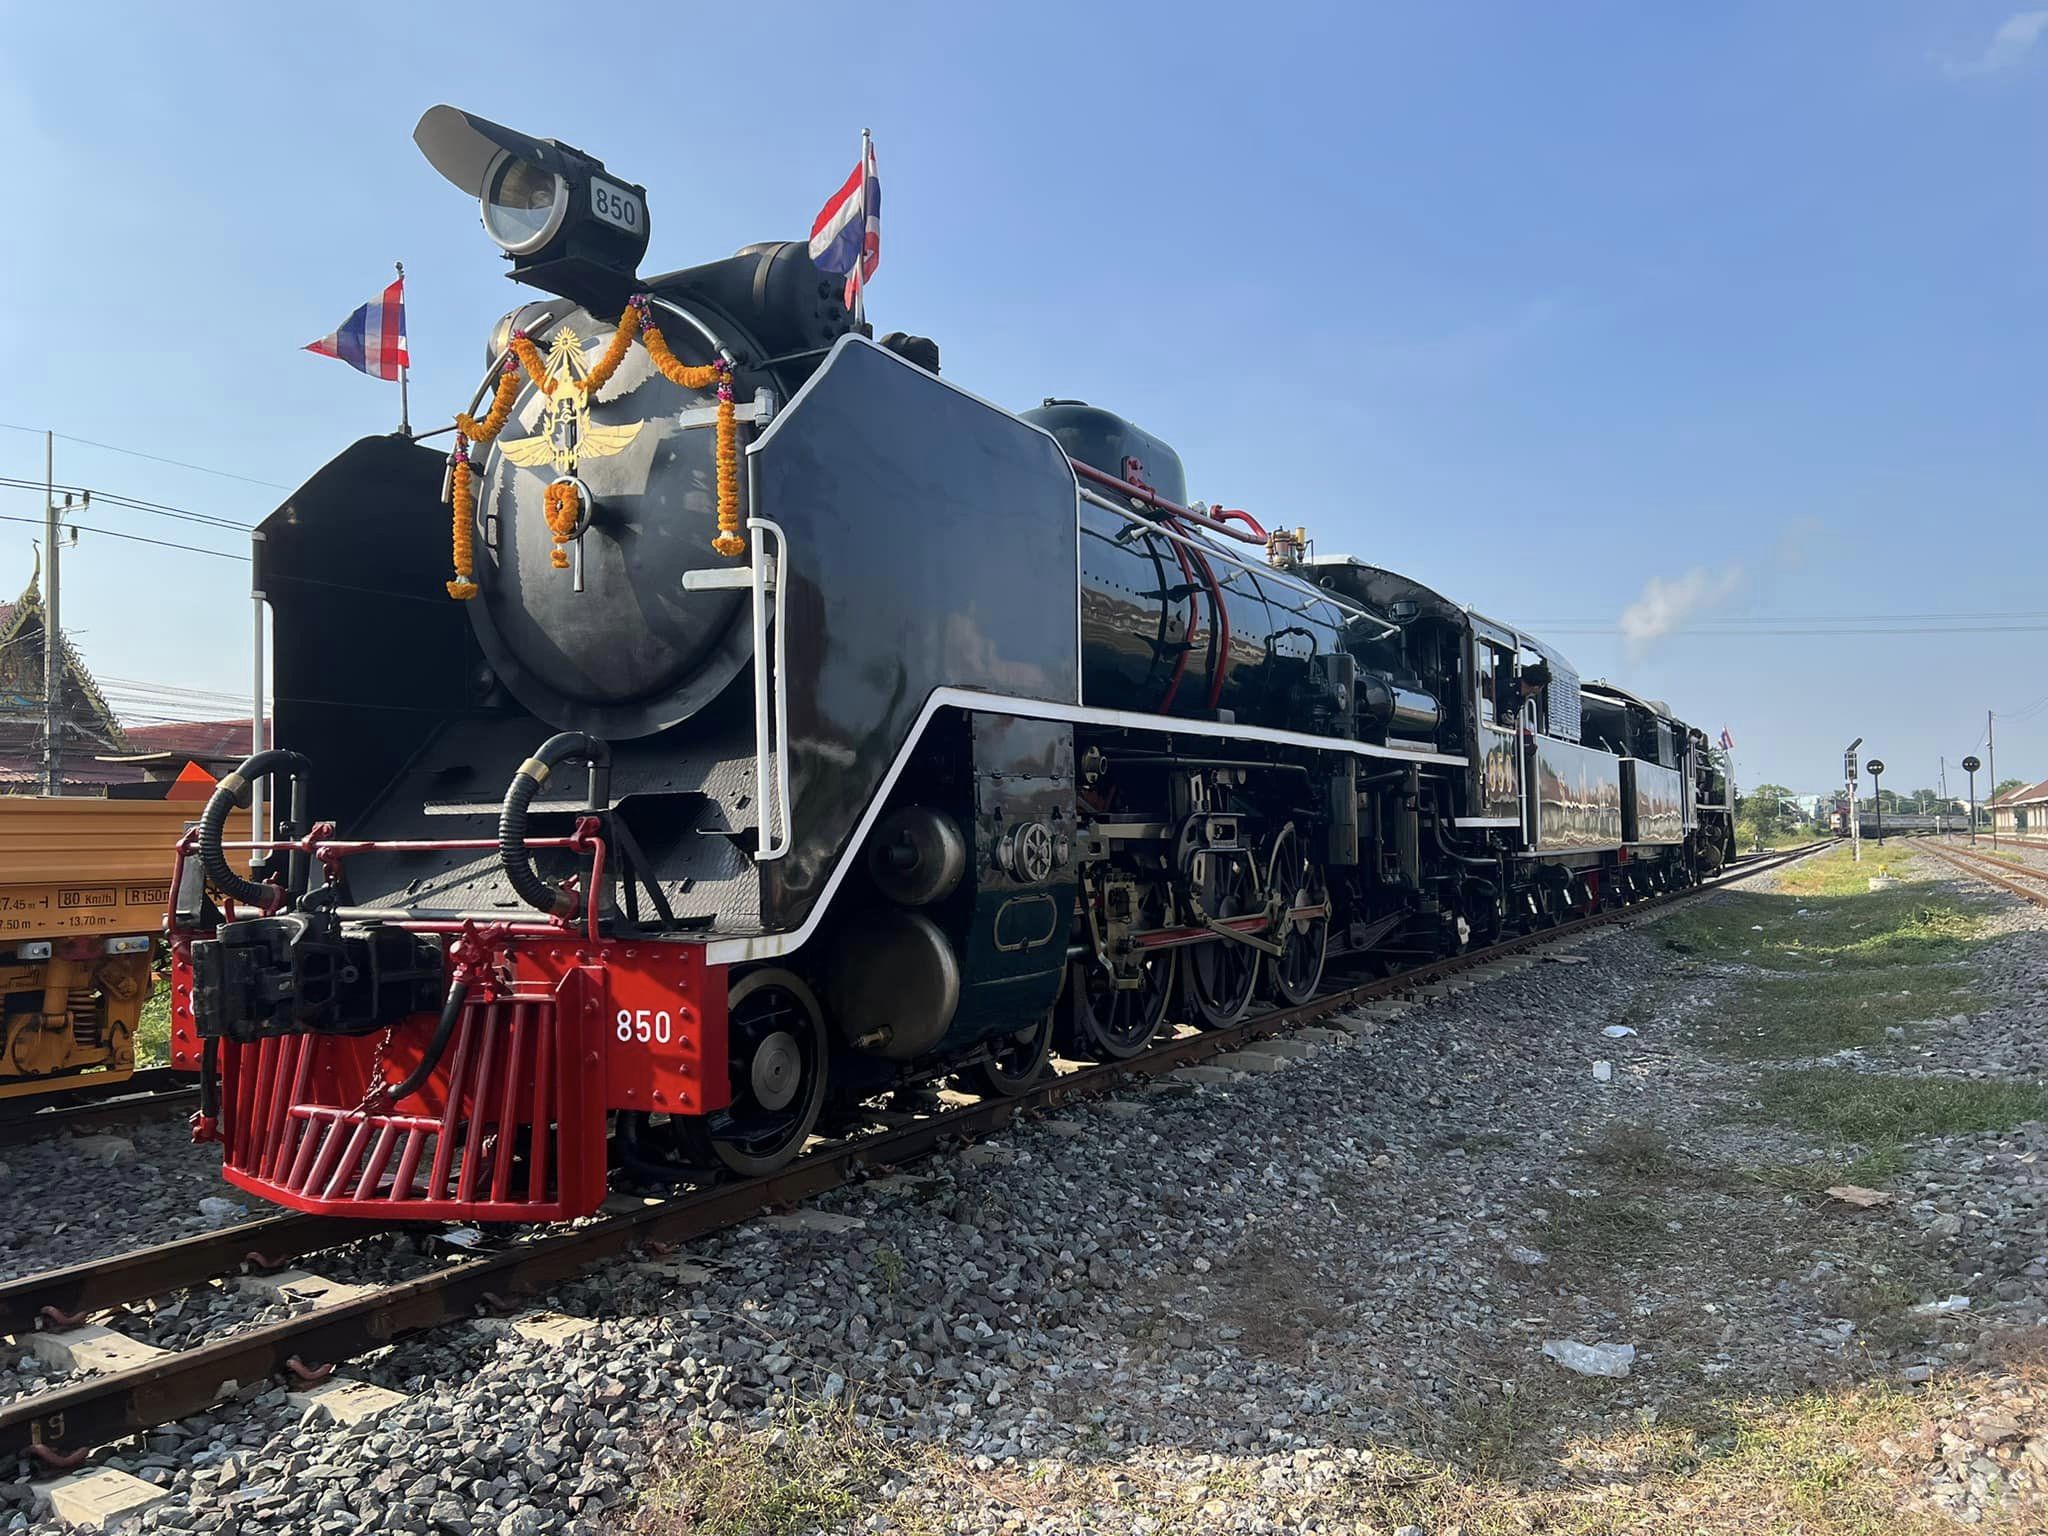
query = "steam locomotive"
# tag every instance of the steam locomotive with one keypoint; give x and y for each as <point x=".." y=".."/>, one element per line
<point x="800" y="728"/>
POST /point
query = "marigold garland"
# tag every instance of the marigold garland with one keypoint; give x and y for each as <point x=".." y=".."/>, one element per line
<point x="730" y="540"/>
<point x="615" y="353"/>
<point x="462" y="589"/>
<point x="481" y="432"/>
<point x="563" y="504"/>
<point x="530" y="359"/>
<point x="471" y="432"/>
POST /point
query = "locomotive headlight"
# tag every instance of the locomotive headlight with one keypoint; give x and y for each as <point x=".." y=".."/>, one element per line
<point x="523" y="205"/>
<point x="567" y="225"/>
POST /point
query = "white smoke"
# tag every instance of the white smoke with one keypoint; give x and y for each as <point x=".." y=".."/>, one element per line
<point x="1665" y="606"/>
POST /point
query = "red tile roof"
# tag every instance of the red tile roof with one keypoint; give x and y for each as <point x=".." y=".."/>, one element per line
<point x="2026" y="794"/>
<point x="198" y="738"/>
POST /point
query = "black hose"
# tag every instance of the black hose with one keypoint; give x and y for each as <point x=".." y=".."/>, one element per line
<point x="1451" y="853"/>
<point x="444" y="1031"/>
<point x="512" y="853"/>
<point x="230" y="793"/>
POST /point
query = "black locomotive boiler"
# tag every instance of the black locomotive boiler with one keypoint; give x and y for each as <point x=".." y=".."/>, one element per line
<point x="799" y="727"/>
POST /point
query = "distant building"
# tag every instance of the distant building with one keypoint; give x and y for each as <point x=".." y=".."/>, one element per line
<point x="100" y="756"/>
<point x="2021" y="812"/>
<point x="86" y="726"/>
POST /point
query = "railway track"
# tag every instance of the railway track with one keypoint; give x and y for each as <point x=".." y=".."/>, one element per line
<point x="2031" y="884"/>
<point x="60" y="1426"/>
<point x="150" y="1094"/>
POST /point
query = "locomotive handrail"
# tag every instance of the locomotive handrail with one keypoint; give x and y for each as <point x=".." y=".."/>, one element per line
<point x="771" y="791"/>
<point x="321" y="844"/>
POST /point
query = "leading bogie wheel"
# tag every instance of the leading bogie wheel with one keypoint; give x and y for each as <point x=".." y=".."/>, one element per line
<point x="776" y="1057"/>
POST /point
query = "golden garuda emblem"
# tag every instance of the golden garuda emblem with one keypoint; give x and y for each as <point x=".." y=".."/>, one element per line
<point x="567" y="433"/>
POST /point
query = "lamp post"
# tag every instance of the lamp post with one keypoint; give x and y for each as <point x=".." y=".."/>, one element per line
<point x="1877" y="796"/>
<point x="1970" y="766"/>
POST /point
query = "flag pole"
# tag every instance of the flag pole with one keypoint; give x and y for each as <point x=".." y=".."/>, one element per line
<point x="860" y="259"/>
<point x="404" y="397"/>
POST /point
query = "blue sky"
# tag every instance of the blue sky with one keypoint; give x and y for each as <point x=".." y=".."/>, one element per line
<point x="1626" y="322"/>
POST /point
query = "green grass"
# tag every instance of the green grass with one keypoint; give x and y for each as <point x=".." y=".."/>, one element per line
<point x="1873" y="1170"/>
<point x="1631" y="1146"/>
<point x="153" y="1029"/>
<point x="1605" y="1228"/>
<point x="1839" y="961"/>
<point x="890" y="1266"/>
<point x="1776" y="1018"/>
<point x="1879" y="1112"/>
<point x="1907" y="925"/>
<point x="815" y="1470"/>
<point x="1551" y="1459"/>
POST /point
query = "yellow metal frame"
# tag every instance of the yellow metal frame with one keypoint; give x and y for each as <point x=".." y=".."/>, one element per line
<point x="74" y="868"/>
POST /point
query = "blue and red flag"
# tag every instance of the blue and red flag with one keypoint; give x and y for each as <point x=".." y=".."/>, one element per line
<point x="847" y="234"/>
<point x="1727" y="741"/>
<point x="372" y="340"/>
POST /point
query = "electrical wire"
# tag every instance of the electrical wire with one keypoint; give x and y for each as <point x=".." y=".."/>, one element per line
<point x="133" y="538"/>
<point x="168" y="688"/>
<point x="154" y="458"/>
<point x="1736" y="622"/>
<point x="133" y="503"/>
<point x="1737" y="634"/>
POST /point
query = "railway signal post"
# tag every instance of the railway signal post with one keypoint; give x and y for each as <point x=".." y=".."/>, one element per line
<point x="1855" y="816"/>
<point x="1970" y="766"/>
<point x="1876" y="766"/>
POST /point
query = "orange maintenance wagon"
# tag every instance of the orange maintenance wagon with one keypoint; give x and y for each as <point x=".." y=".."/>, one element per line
<point x="83" y="887"/>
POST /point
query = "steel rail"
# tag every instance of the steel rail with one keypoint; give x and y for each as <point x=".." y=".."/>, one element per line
<point x="1985" y="867"/>
<point x="73" y="1418"/>
<point x="56" y="1296"/>
<point x="143" y="1096"/>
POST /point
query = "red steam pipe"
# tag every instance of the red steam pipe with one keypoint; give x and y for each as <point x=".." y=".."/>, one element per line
<point x="1221" y="638"/>
<point x="1241" y="516"/>
<point x="1159" y="503"/>
<point x="1187" y="644"/>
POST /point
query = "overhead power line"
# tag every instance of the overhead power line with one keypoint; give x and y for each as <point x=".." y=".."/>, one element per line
<point x="1738" y="634"/>
<point x="132" y="503"/>
<point x="1734" y="621"/>
<point x="154" y="458"/>
<point x="170" y="688"/>
<point x="132" y="538"/>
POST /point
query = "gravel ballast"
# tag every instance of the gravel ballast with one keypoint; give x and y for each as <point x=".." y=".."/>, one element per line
<point x="1313" y="1297"/>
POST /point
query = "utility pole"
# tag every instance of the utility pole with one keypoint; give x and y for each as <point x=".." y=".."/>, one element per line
<point x="1991" y="752"/>
<point x="53" y="666"/>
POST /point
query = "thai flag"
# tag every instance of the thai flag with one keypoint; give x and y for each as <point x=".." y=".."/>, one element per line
<point x="847" y="234"/>
<point x="372" y="340"/>
<point x="1727" y="741"/>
